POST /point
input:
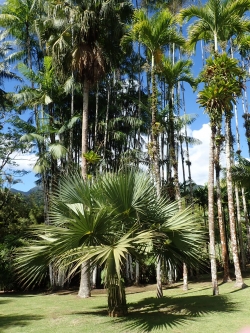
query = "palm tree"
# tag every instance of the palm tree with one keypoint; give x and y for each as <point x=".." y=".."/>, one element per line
<point x="216" y="22"/>
<point x="224" y="79"/>
<point x="172" y="74"/>
<point x="155" y="33"/>
<point x="120" y="214"/>
<point x="5" y="73"/>
<point x="17" y="17"/>
<point x="98" y="27"/>
<point x="91" y="50"/>
<point x="241" y="176"/>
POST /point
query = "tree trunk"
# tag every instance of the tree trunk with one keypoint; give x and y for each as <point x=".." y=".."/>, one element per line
<point x="96" y="114"/>
<point x="153" y="147"/>
<point x="158" y="278"/>
<point x="84" y="289"/>
<point x="225" y="258"/>
<point x="185" y="277"/>
<point x="241" y="243"/>
<point x="246" y="218"/>
<point x="137" y="273"/>
<point x="85" y="109"/>
<point x="211" y="214"/>
<point x="239" y="281"/>
<point x="117" y="305"/>
<point x="106" y="121"/>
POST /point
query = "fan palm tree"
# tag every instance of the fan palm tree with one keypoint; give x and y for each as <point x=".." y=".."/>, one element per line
<point x="102" y="223"/>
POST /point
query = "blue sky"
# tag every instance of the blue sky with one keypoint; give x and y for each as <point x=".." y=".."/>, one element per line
<point x="199" y="129"/>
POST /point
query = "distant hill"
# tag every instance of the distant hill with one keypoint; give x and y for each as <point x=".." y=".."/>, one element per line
<point x="32" y="190"/>
<point x="36" y="193"/>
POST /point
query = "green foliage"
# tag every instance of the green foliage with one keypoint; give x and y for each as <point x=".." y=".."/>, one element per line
<point x="92" y="157"/>
<point x="216" y="21"/>
<point x="223" y="80"/>
<point x="16" y="214"/>
<point x="241" y="172"/>
<point x="119" y="214"/>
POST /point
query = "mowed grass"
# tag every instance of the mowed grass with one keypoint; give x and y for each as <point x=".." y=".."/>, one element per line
<point x="193" y="311"/>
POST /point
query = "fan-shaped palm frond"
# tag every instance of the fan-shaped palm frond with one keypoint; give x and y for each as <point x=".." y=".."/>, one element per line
<point x="103" y="222"/>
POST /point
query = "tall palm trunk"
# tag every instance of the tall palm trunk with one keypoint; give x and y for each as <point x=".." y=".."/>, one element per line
<point x="232" y="222"/>
<point x="84" y="289"/>
<point x="211" y="213"/>
<point x="246" y="218"/>
<point x="106" y="121"/>
<point x="237" y="198"/>
<point x="154" y="153"/>
<point x="85" y="109"/>
<point x="96" y="114"/>
<point x="154" y="149"/>
<point x="241" y="243"/>
<point x="224" y="252"/>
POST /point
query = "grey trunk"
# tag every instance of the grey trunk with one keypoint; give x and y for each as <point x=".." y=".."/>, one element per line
<point x="212" y="253"/>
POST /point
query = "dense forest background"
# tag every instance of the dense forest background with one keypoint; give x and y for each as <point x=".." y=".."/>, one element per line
<point x="103" y="85"/>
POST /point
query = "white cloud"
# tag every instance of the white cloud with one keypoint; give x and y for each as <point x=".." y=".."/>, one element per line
<point x="199" y="156"/>
<point x="24" y="161"/>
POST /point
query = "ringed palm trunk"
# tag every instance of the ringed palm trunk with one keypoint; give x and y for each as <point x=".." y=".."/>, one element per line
<point x="239" y="280"/>
<point x="154" y="132"/>
<point x="84" y="289"/>
<point x="174" y="162"/>
<point x="237" y="198"/>
<point x="241" y="242"/>
<point x="154" y="153"/>
<point x="225" y="258"/>
<point x="85" y="127"/>
<point x="246" y="218"/>
<point x="211" y="213"/>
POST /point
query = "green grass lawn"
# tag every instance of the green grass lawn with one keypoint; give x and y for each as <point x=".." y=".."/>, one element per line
<point x="192" y="311"/>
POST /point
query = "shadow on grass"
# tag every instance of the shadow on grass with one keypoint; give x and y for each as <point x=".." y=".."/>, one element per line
<point x="16" y="320"/>
<point x="239" y="289"/>
<point x="5" y="301"/>
<point x="151" y="313"/>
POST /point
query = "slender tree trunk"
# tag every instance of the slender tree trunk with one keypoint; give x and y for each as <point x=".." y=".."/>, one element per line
<point x="85" y="127"/>
<point x="96" y="113"/>
<point x="225" y="257"/>
<point x="211" y="213"/>
<point x="154" y="153"/>
<point x="137" y="273"/>
<point x="241" y="243"/>
<point x="185" y="277"/>
<point x="232" y="222"/>
<point x="106" y="122"/>
<point x="158" y="278"/>
<point x="154" y="147"/>
<point x="84" y="289"/>
<point x="246" y="218"/>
